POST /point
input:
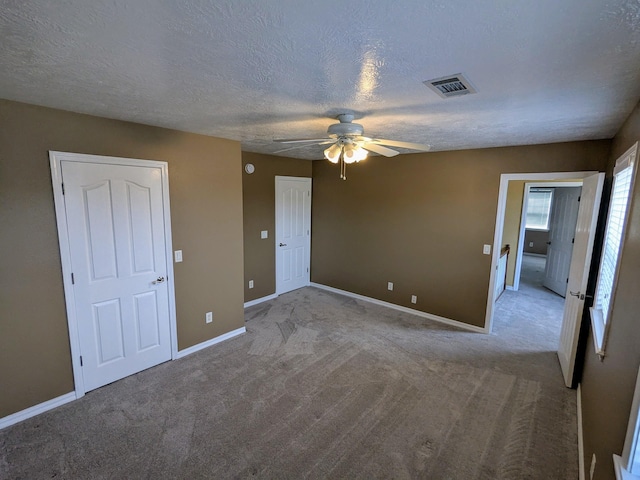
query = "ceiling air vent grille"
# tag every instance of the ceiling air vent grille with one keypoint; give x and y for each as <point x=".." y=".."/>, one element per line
<point x="450" y="86"/>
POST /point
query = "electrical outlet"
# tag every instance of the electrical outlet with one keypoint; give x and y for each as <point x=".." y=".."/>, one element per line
<point x="486" y="249"/>
<point x="593" y="467"/>
<point x="389" y="285"/>
<point x="208" y="318"/>
<point x="177" y="256"/>
<point x="264" y="234"/>
<point x="414" y="299"/>
<point x="250" y="283"/>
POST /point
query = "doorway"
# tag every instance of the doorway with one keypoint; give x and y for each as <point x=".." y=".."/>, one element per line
<point x="549" y="209"/>
<point x="115" y="243"/>
<point x="293" y="233"/>
<point x="580" y="260"/>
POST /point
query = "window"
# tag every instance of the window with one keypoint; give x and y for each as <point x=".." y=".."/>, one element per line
<point x="627" y="466"/>
<point x="623" y="177"/>
<point x="538" y="208"/>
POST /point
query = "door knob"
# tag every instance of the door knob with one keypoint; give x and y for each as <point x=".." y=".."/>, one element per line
<point x="283" y="244"/>
<point x="574" y="294"/>
<point x="158" y="280"/>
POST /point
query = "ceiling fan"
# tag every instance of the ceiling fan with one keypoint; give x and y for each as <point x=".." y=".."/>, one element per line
<point x="347" y="143"/>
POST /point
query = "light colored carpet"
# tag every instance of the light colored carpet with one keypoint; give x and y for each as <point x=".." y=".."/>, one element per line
<point x="324" y="386"/>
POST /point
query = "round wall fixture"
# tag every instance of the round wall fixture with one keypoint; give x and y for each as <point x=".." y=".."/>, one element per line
<point x="249" y="168"/>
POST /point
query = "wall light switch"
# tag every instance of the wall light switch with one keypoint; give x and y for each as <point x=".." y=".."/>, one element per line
<point x="177" y="256"/>
<point x="531" y="244"/>
<point x="486" y="249"/>
<point x="414" y="299"/>
<point x="390" y="285"/>
<point x="250" y="283"/>
<point x="264" y="234"/>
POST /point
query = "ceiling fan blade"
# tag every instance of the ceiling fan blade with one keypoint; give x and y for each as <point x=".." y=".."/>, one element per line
<point x="387" y="152"/>
<point x="325" y="142"/>
<point x="409" y="145"/>
<point x="301" y="140"/>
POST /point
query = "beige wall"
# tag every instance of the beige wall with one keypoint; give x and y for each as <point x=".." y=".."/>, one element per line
<point x="511" y="230"/>
<point x="608" y="385"/>
<point x="539" y="238"/>
<point x="421" y="220"/>
<point x="259" y="198"/>
<point x="206" y="210"/>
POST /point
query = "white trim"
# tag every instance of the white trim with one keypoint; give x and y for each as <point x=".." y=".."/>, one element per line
<point x="580" y="433"/>
<point x="419" y="313"/>
<point x="55" y="159"/>
<point x="509" y="287"/>
<point x="534" y="254"/>
<point x="251" y="303"/>
<point x="621" y="472"/>
<point x="213" y="341"/>
<point x="497" y="234"/>
<point x="36" y="410"/>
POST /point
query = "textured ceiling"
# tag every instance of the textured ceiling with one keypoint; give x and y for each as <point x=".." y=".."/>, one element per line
<point x="254" y="71"/>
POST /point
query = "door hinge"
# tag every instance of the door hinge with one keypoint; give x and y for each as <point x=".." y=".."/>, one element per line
<point x="81" y="364"/>
<point x="63" y="188"/>
<point x="307" y="232"/>
<point x="573" y="240"/>
<point x="73" y="280"/>
<point x="307" y="269"/>
<point x="579" y="197"/>
<point x="308" y="193"/>
<point x="567" y="280"/>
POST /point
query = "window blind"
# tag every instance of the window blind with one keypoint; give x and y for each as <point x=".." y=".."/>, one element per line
<point x="538" y="208"/>
<point x="613" y="239"/>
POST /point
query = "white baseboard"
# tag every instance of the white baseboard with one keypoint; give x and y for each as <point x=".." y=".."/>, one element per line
<point x="580" y="439"/>
<point x="208" y="343"/>
<point x="412" y="311"/>
<point x="36" y="410"/>
<point x="510" y="287"/>
<point x="251" y="303"/>
<point x="534" y="254"/>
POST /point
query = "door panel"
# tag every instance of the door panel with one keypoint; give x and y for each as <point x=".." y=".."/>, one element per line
<point x="115" y="222"/>
<point x="293" y="233"/>
<point x="562" y="228"/>
<point x="579" y="273"/>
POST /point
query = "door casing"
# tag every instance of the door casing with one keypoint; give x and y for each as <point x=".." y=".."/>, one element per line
<point x="55" y="159"/>
<point x="279" y="180"/>
<point x="500" y="211"/>
<point x="527" y="188"/>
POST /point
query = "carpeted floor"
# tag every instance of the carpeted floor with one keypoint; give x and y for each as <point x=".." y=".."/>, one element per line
<point x="324" y="386"/>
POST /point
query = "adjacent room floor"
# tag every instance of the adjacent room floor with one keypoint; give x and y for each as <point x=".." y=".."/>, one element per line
<point x="325" y="386"/>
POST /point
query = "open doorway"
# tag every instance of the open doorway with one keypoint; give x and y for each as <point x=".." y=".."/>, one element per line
<point x="566" y="328"/>
<point x="543" y="232"/>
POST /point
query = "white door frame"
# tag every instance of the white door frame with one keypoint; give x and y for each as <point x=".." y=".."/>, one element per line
<point x="500" y="211"/>
<point x="55" y="159"/>
<point x="519" y="252"/>
<point x="278" y="179"/>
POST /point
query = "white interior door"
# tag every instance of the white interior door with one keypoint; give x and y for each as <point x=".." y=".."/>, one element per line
<point x="293" y="233"/>
<point x="562" y="229"/>
<point x="116" y="231"/>
<point x="579" y="273"/>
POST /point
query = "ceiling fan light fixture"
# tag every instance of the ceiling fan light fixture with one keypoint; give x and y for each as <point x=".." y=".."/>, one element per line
<point x="333" y="153"/>
<point x="349" y="153"/>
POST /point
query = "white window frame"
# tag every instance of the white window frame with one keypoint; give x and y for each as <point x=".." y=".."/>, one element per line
<point x="534" y="190"/>
<point x="623" y="465"/>
<point x="601" y="321"/>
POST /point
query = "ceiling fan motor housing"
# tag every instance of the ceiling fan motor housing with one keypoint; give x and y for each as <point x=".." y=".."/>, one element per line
<point x="345" y="130"/>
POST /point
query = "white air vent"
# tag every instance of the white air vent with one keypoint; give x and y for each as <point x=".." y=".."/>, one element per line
<point x="450" y="86"/>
